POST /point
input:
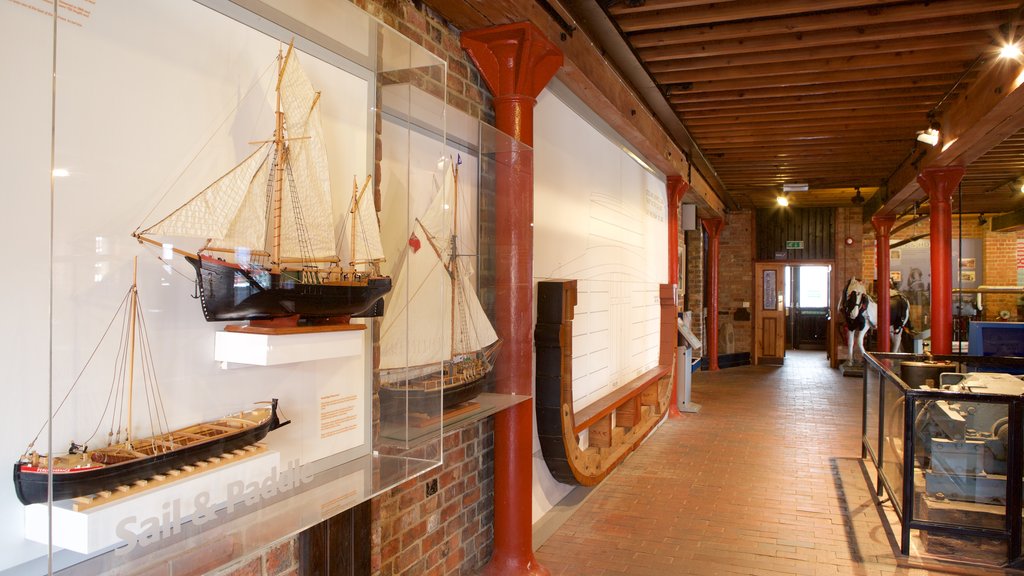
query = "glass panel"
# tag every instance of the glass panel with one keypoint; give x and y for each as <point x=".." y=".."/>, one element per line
<point x="183" y="122"/>
<point x="813" y="287"/>
<point x="892" y="438"/>
<point x="872" y="379"/>
<point x="960" y="470"/>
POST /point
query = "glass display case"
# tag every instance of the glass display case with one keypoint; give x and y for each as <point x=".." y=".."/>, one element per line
<point x="208" y="212"/>
<point x="945" y="436"/>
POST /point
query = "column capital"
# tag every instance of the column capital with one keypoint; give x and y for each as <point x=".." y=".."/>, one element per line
<point x="713" y="225"/>
<point x="940" y="182"/>
<point x="514" y="59"/>
<point x="883" y="224"/>
<point x="677" y="188"/>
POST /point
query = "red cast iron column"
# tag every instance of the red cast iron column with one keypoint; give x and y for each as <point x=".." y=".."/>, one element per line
<point x="713" y="226"/>
<point x="516" y="61"/>
<point x="882" y="224"/>
<point x="939" y="184"/>
<point x="677" y="187"/>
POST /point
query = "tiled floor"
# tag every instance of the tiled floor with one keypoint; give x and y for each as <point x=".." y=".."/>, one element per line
<point x="765" y="480"/>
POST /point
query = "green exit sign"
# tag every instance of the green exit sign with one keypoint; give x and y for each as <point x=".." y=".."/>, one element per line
<point x="794" y="244"/>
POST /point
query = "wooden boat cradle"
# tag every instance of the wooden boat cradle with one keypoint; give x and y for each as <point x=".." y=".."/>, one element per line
<point x="618" y="422"/>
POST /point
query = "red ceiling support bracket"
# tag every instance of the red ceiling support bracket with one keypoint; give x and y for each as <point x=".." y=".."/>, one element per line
<point x="713" y="227"/>
<point x="883" y="225"/>
<point x="939" y="184"/>
<point x="677" y="187"/>
<point x="517" y="62"/>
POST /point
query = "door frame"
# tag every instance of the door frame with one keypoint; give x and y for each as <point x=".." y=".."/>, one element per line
<point x="832" y="343"/>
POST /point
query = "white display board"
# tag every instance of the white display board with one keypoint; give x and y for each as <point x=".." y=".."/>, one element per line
<point x="154" y="101"/>
<point x="601" y="218"/>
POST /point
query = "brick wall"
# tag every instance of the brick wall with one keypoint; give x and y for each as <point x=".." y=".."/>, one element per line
<point x="694" y="296"/>
<point x="736" y="282"/>
<point x="999" y="250"/>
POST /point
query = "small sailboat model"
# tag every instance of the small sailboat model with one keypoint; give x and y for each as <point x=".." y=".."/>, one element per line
<point x="126" y="458"/>
<point x="272" y="250"/>
<point x="417" y="369"/>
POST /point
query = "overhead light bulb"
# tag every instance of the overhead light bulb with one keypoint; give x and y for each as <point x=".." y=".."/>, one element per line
<point x="1010" y="51"/>
<point x="61" y="173"/>
<point x="782" y="200"/>
<point x="929" y="136"/>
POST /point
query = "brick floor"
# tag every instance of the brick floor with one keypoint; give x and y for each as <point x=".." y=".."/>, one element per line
<point x="765" y="480"/>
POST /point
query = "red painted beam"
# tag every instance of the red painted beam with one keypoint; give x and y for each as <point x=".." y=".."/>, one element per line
<point x="939" y="184"/>
<point x="883" y="225"/>
<point x="516" y="61"/>
<point x="713" y="226"/>
<point x="677" y="187"/>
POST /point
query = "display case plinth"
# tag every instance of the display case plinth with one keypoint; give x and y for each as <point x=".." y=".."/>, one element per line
<point x="165" y="506"/>
<point x="270" y="350"/>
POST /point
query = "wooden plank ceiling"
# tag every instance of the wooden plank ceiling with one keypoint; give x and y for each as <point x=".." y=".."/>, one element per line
<point x="830" y="93"/>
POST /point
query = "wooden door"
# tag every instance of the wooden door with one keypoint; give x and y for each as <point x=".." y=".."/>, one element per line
<point x="769" y="313"/>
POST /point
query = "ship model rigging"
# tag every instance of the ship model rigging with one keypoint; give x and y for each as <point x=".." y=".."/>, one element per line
<point x="434" y="277"/>
<point x="272" y="254"/>
<point x="125" y="457"/>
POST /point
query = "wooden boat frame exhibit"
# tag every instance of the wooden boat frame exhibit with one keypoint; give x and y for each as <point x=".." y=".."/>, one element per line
<point x="618" y="422"/>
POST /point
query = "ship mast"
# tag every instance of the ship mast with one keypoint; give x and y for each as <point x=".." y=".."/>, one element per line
<point x="453" y="263"/>
<point x="279" y="154"/>
<point x="132" y="304"/>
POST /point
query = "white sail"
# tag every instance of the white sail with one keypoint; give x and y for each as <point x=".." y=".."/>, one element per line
<point x="368" y="247"/>
<point x="473" y="330"/>
<point x="307" y="230"/>
<point x="228" y="210"/>
<point x="422" y="285"/>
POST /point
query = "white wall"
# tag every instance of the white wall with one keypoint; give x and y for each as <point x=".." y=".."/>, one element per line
<point x="151" y="102"/>
<point x="601" y="218"/>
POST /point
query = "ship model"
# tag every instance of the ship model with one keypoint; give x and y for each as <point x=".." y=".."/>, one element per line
<point x="417" y="370"/>
<point x="126" y="458"/>
<point x="272" y="253"/>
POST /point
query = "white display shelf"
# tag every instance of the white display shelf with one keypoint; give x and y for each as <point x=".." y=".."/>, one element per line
<point x="271" y="350"/>
<point x="97" y="528"/>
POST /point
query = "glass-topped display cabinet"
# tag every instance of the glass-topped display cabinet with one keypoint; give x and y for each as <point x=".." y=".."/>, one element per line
<point x="213" y="308"/>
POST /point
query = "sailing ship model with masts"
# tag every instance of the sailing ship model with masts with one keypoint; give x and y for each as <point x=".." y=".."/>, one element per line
<point x="126" y="458"/>
<point x="418" y="371"/>
<point x="272" y="252"/>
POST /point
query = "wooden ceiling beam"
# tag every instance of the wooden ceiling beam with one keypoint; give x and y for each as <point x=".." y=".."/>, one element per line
<point x="697" y="61"/>
<point x="908" y="127"/>
<point x="831" y="100"/>
<point x="979" y="119"/>
<point x="807" y="40"/>
<point x="716" y="13"/>
<point x="889" y="109"/>
<point x="884" y="23"/>
<point x="812" y="78"/>
<point x="813" y="117"/>
<point x="867" y="62"/>
<point x="813" y="90"/>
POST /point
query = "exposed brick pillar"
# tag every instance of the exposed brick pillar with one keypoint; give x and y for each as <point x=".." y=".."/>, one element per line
<point x="939" y="184"/>
<point x="883" y="225"/>
<point x="677" y="187"/>
<point x="516" y="61"/>
<point x="713" y="226"/>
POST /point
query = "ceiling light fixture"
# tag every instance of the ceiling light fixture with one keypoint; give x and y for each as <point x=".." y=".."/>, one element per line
<point x="787" y="188"/>
<point x="782" y="200"/>
<point x="1009" y="51"/>
<point x="982" y="220"/>
<point x="857" y="198"/>
<point x="931" y="135"/>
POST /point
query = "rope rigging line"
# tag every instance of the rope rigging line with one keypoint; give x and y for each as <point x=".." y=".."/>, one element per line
<point x="82" y="371"/>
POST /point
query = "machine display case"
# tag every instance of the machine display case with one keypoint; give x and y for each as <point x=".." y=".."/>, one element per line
<point x="135" y="121"/>
<point x="945" y="436"/>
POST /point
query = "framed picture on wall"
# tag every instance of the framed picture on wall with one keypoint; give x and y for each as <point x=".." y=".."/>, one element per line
<point x="967" y="263"/>
<point x="768" y="290"/>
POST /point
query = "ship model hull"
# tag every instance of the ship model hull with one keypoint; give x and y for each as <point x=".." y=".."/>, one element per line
<point x="30" y="482"/>
<point x="458" y="382"/>
<point x="230" y="293"/>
